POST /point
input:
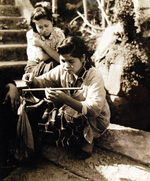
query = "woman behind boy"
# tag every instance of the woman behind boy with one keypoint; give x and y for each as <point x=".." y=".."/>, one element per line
<point x="42" y="40"/>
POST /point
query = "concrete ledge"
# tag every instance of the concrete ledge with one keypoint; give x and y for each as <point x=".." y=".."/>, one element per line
<point x="104" y="165"/>
<point x="9" y="10"/>
<point x="13" y="36"/>
<point x="15" y="69"/>
<point x="127" y="141"/>
<point x="11" y="22"/>
<point x="12" y="51"/>
<point x="7" y="2"/>
<point x="4" y="64"/>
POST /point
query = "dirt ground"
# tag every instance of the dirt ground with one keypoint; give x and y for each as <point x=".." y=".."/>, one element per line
<point x="58" y="164"/>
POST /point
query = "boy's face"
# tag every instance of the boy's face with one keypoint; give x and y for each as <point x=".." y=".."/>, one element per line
<point x="44" y="27"/>
<point x="71" y="64"/>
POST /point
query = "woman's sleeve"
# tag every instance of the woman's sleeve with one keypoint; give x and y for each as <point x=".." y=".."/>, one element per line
<point x="95" y="96"/>
<point x="34" y="52"/>
<point x="60" y="36"/>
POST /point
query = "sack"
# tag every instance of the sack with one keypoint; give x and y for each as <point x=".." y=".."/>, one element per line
<point x="25" y="141"/>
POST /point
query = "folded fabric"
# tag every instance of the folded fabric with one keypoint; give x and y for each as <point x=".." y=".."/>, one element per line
<point x="25" y="141"/>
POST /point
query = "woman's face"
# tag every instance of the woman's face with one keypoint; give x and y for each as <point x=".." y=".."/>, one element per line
<point x="44" y="27"/>
<point x="71" y="64"/>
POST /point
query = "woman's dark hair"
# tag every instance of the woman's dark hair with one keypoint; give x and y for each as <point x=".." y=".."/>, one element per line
<point x="74" y="46"/>
<point x="41" y="11"/>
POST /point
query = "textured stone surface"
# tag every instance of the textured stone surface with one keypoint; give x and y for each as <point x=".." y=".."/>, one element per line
<point x="13" y="43"/>
<point x="13" y="52"/>
<point x="7" y="2"/>
<point x="8" y="10"/>
<point x="133" y="143"/>
<point x="122" y="150"/>
<point x="10" y="22"/>
<point x="12" y="36"/>
<point x="60" y="164"/>
<point x="14" y="68"/>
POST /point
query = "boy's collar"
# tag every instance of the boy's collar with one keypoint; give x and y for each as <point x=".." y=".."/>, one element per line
<point x="81" y="74"/>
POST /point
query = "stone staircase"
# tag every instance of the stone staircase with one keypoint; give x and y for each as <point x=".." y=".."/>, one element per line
<point x="13" y="43"/>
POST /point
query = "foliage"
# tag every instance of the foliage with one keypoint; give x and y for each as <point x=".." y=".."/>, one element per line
<point x="136" y="70"/>
<point x="130" y="46"/>
<point x="124" y="12"/>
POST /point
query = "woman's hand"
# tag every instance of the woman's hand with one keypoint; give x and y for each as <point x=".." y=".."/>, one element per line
<point x="13" y="96"/>
<point x="28" y="78"/>
<point x="55" y="96"/>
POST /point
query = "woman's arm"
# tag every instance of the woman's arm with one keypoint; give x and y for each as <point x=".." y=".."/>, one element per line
<point x="37" y="49"/>
<point x="34" y="52"/>
<point x="38" y="43"/>
<point x="52" y="53"/>
<point x="57" y="37"/>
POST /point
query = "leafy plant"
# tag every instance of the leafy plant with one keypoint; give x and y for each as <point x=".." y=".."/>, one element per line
<point x="124" y="12"/>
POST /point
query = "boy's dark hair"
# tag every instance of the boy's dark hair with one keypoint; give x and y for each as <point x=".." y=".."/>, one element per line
<point x="41" y="11"/>
<point x="74" y="46"/>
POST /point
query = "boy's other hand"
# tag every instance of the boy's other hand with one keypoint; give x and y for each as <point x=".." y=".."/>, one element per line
<point x="28" y="78"/>
<point x="54" y="96"/>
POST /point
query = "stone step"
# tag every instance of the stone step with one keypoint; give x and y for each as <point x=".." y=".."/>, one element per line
<point x="60" y="164"/>
<point x="9" y="10"/>
<point x="122" y="150"/>
<point x="7" y="2"/>
<point x="15" y="69"/>
<point x="12" y="36"/>
<point x="133" y="143"/>
<point x="8" y="22"/>
<point x="13" y="52"/>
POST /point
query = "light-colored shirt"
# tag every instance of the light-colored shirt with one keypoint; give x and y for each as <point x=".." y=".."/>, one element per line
<point x="34" y="52"/>
<point x="92" y="96"/>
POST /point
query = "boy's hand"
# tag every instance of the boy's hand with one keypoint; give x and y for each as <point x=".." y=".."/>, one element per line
<point x="28" y="78"/>
<point x="55" y="96"/>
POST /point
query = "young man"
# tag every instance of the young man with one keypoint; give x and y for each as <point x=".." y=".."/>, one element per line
<point x="85" y="112"/>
